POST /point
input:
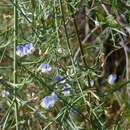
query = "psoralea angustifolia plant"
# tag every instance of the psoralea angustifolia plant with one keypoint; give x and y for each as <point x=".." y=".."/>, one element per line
<point x="49" y="101"/>
<point x="5" y="93"/>
<point x="45" y="68"/>
<point x="24" y="50"/>
<point x="112" y="78"/>
<point x="72" y="41"/>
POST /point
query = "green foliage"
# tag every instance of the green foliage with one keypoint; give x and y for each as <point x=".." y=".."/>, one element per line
<point x="82" y="41"/>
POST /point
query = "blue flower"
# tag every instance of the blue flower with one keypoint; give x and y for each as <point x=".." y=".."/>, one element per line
<point x="20" y="51"/>
<point x="66" y="90"/>
<point x="54" y="95"/>
<point x="5" y="93"/>
<point x="59" y="79"/>
<point x="23" y="50"/>
<point x="29" y="48"/>
<point x="49" y="101"/>
<point x="112" y="78"/>
<point x="45" y="68"/>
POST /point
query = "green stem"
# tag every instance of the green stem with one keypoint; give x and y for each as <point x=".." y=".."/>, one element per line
<point x="66" y="33"/>
<point x="78" y="35"/>
<point x="14" y="58"/>
<point x="56" y="23"/>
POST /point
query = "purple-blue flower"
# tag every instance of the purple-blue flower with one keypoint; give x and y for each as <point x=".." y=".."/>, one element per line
<point x="20" y="51"/>
<point x="23" y="50"/>
<point x="54" y="95"/>
<point x="59" y="79"/>
<point x="66" y="90"/>
<point x="5" y="93"/>
<point x="29" y="47"/>
<point x="45" y="68"/>
<point x="112" y="78"/>
<point x="49" y="101"/>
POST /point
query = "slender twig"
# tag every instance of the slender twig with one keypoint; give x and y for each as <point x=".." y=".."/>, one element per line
<point x="56" y="22"/>
<point x="78" y="36"/>
<point x="14" y="58"/>
<point x="66" y="33"/>
<point x="127" y="66"/>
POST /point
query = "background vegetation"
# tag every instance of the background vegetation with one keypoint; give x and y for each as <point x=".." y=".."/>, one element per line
<point x="84" y="41"/>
